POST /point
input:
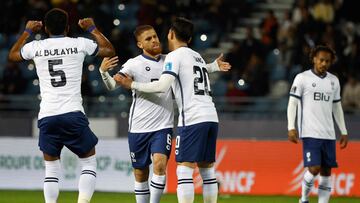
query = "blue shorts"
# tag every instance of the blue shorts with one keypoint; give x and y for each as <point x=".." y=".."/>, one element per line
<point x="196" y="143"/>
<point x="69" y="129"/>
<point x="319" y="152"/>
<point x="143" y="145"/>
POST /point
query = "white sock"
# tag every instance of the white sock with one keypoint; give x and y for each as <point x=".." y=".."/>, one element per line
<point x="210" y="186"/>
<point x="324" y="189"/>
<point x="142" y="192"/>
<point x="185" y="188"/>
<point x="87" y="179"/>
<point x="51" y="182"/>
<point x="157" y="186"/>
<point x="307" y="184"/>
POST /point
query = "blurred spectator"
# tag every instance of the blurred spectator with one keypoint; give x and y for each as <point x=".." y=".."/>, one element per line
<point x="298" y="10"/>
<point x="256" y="77"/>
<point x="269" y="28"/>
<point x="351" y="95"/>
<point x="13" y="81"/>
<point x="324" y="11"/>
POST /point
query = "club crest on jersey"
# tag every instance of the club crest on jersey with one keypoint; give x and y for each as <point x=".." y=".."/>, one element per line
<point x="293" y="89"/>
<point x="147" y="68"/>
<point x="168" y="66"/>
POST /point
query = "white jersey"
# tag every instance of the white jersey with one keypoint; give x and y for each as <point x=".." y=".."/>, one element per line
<point x="59" y="63"/>
<point x="317" y="95"/>
<point x="191" y="86"/>
<point x="149" y="111"/>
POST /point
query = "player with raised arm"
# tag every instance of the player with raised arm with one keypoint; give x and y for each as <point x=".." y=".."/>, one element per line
<point x="186" y="72"/>
<point x="151" y="114"/>
<point x="315" y="93"/>
<point x="61" y="120"/>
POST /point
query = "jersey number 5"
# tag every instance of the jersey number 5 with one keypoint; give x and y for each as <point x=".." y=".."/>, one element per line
<point x="202" y="77"/>
<point x="56" y="73"/>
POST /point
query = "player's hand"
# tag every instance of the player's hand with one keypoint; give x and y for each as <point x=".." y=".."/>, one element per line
<point x="123" y="80"/>
<point x="86" y="23"/>
<point x="343" y="141"/>
<point x="109" y="63"/>
<point x="223" y="65"/>
<point x="34" y="26"/>
<point x="293" y="136"/>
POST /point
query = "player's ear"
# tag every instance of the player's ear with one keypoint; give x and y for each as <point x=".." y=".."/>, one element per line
<point x="139" y="44"/>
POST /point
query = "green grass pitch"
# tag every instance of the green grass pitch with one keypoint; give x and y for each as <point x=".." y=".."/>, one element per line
<point x="21" y="196"/>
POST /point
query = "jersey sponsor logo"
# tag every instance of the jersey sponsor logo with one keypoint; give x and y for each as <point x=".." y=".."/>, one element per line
<point x="132" y="155"/>
<point x="168" y="66"/>
<point x="147" y="68"/>
<point x="319" y="96"/>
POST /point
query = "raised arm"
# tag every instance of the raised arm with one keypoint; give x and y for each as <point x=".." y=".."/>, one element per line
<point x="106" y="49"/>
<point x="31" y="27"/>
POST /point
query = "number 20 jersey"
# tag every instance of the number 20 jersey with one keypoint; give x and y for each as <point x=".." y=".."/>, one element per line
<point x="59" y="63"/>
<point x="191" y="86"/>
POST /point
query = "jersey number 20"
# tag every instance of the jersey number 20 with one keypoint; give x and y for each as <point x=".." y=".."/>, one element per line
<point x="202" y="77"/>
<point x="56" y="73"/>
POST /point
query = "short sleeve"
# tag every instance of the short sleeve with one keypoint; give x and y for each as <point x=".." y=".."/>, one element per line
<point x="172" y="64"/>
<point x="89" y="47"/>
<point x="27" y="52"/>
<point x="337" y="95"/>
<point x="297" y="87"/>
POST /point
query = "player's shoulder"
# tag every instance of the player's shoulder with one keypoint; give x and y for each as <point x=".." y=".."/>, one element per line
<point x="133" y="62"/>
<point x="332" y="76"/>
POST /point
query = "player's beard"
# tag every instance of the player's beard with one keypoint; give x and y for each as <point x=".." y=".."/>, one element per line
<point x="155" y="51"/>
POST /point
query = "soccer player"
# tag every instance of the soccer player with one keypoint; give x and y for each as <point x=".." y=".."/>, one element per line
<point x="151" y="115"/>
<point x="315" y="94"/>
<point x="187" y="73"/>
<point x="61" y="120"/>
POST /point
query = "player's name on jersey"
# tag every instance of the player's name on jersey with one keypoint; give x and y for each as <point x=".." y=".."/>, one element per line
<point x="56" y="52"/>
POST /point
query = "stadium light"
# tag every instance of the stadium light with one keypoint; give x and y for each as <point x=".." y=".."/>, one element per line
<point x="36" y="82"/>
<point x="203" y="37"/>
<point x="121" y="7"/>
<point x="31" y="66"/>
<point x="91" y="67"/>
<point x="95" y="83"/>
<point x="102" y="99"/>
<point x="241" y="82"/>
<point x="116" y="22"/>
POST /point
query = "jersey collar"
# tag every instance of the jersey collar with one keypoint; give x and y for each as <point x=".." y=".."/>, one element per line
<point x="320" y="76"/>
<point x="57" y="36"/>
<point x="150" y="58"/>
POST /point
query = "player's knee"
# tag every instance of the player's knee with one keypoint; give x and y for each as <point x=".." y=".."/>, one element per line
<point x="159" y="167"/>
<point x="141" y="175"/>
<point x="314" y="170"/>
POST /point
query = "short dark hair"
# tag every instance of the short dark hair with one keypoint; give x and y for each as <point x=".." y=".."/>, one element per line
<point x="140" y="29"/>
<point x="183" y="29"/>
<point x="56" y="21"/>
<point x="324" y="48"/>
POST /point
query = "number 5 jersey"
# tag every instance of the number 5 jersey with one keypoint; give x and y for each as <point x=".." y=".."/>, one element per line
<point x="191" y="87"/>
<point x="59" y="63"/>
